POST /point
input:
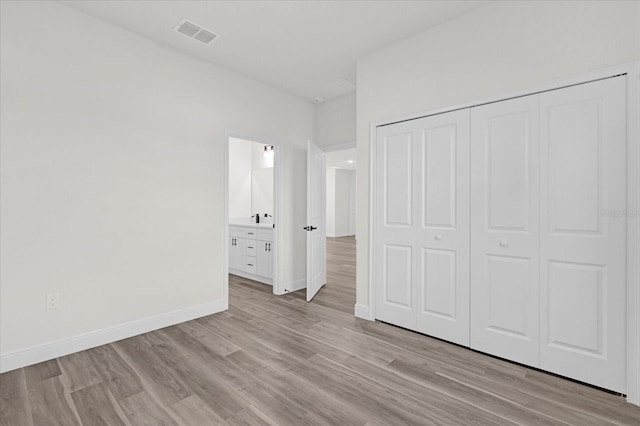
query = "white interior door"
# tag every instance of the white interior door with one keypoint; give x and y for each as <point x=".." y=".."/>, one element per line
<point x="583" y="232"/>
<point x="504" y="229"/>
<point x="395" y="269"/>
<point x="442" y="231"/>
<point x="316" y="220"/>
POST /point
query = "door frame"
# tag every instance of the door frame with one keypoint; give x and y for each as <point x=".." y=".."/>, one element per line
<point x="632" y="70"/>
<point x="278" y="162"/>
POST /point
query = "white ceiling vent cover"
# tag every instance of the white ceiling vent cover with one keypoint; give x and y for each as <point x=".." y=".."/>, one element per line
<point x="336" y="88"/>
<point x="192" y="30"/>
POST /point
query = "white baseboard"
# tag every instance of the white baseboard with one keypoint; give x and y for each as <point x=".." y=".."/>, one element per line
<point x="363" y="311"/>
<point x="295" y="285"/>
<point x="331" y="235"/>
<point x="50" y="350"/>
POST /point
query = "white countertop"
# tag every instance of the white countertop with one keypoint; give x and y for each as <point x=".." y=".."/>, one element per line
<point x="246" y="224"/>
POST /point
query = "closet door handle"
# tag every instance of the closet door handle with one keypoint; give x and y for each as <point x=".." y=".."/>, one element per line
<point x="265" y="246"/>
<point x="438" y="237"/>
<point x="504" y="243"/>
<point x="269" y="246"/>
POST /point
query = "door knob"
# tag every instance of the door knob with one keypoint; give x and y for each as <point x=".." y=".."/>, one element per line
<point x="438" y="237"/>
<point x="504" y="243"/>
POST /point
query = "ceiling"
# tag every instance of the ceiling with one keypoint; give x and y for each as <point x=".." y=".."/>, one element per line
<point x="307" y="48"/>
<point x="345" y="159"/>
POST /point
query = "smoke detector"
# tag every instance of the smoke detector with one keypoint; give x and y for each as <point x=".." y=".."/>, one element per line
<point x="194" y="31"/>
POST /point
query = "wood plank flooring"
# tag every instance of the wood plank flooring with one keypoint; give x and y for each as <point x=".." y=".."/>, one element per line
<point x="281" y="361"/>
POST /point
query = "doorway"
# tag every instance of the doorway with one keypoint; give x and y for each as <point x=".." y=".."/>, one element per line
<point x="341" y="193"/>
<point x="339" y="291"/>
<point x="253" y="210"/>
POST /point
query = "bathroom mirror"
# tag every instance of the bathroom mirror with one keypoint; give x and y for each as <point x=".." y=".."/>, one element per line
<point x="250" y="180"/>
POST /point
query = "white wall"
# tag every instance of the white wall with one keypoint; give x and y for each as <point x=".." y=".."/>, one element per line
<point x="331" y="202"/>
<point x="345" y="185"/>
<point x="240" y="177"/>
<point x="497" y="48"/>
<point x="112" y="173"/>
<point x="335" y="121"/>
<point x="340" y="190"/>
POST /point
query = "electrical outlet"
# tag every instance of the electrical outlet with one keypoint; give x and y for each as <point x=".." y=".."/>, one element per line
<point x="53" y="300"/>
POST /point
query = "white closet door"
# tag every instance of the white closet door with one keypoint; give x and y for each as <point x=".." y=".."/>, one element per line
<point x="395" y="203"/>
<point x="583" y="232"/>
<point x="442" y="230"/>
<point x="504" y="229"/>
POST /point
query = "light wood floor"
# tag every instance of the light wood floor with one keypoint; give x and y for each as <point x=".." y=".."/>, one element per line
<point x="280" y="361"/>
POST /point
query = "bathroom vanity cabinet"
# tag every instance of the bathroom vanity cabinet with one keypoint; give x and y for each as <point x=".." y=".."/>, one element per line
<point x="251" y="249"/>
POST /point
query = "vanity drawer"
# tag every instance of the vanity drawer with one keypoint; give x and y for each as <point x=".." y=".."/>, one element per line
<point x="250" y="249"/>
<point x="250" y="266"/>
<point x="249" y="233"/>
<point x="265" y="235"/>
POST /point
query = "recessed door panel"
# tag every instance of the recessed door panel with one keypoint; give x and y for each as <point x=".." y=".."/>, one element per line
<point x="439" y="176"/>
<point x="504" y="229"/>
<point x="508" y="279"/>
<point x="442" y="237"/>
<point x="576" y="307"/>
<point x="506" y="156"/>
<point x="397" y="280"/>
<point x="575" y="181"/>
<point x="439" y="281"/>
<point x="397" y="153"/>
<point x="583" y="245"/>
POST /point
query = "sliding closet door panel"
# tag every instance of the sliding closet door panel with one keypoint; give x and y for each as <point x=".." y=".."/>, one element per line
<point x="396" y="206"/>
<point x="443" y="232"/>
<point x="504" y="229"/>
<point x="583" y="232"/>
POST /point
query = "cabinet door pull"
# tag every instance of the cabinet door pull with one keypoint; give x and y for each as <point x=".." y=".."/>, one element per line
<point x="269" y="246"/>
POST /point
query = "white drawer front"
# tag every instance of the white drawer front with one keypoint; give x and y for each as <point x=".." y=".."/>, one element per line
<point x="250" y="265"/>
<point x="265" y="235"/>
<point x="250" y="233"/>
<point x="250" y="249"/>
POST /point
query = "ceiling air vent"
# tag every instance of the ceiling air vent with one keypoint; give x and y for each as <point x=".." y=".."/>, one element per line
<point x="195" y="31"/>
